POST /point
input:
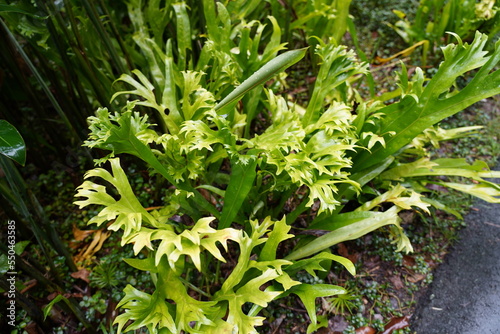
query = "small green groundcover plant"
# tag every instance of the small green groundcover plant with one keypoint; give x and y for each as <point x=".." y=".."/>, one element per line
<point x="242" y="173"/>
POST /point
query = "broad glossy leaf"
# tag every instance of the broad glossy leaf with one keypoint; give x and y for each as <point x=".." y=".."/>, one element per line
<point x="275" y="66"/>
<point x="147" y="264"/>
<point x="482" y="191"/>
<point x="240" y="184"/>
<point x="183" y="32"/>
<point x="20" y="246"/>
<point x="354" y="230"/>
<point x="11" y="143"/>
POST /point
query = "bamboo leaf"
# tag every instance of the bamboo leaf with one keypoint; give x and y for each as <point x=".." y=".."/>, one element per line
<point x="275" y="66"/>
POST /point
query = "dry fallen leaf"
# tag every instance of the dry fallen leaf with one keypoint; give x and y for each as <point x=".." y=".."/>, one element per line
<point x="82" y="274"/>
<point x="28" y="285"/>
<point x="87" y="252"/>
<point x="416" y="277"/>
<point x="342" y="249"/>
<point x="395" y="324"/>
<point x="32" y="328"/>
<point x="52" y="296"/>
<point x="396" y="282"/>
<point x="80" y="235"/>
<point x="409" y="261"/>
<point x="366" y="330"/>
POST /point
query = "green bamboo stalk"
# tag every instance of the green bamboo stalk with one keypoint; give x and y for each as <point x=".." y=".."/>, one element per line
<point x="85" y="65"/>
<point x="117" y="35"/>
<point x="74" y="103"/>
<point x="40" y="80"/>
<point x="20" y="192"/>
<point x="77" y="100"/>
<point x="82" y="57"/>
<point x="8" y="60"/>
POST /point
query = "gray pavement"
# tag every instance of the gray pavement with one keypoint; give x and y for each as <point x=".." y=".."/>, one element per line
<point x="464" y="297"/>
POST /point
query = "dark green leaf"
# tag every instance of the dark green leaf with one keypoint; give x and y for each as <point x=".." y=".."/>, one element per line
<point x="147" y="264"/>
<point x="357" y="227"/>
<point x="242" y="177"/>
<point x="266" y="72"/>
<point x="11" y="143"/>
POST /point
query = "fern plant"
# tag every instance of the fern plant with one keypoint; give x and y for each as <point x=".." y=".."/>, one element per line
<point x="434" y="18"/>
<point x="352" y="164"/>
